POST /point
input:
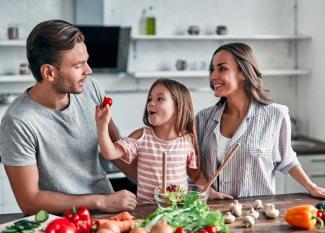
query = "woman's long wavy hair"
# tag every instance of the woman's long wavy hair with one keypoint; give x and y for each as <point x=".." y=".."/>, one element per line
<point x="246" y="63"/>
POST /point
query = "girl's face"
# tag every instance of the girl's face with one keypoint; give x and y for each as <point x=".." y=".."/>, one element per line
<point x="226" y="78"/>
<point x="160" y="106"/>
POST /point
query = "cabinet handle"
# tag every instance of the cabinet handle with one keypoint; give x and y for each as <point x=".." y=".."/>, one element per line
<point x="317" y="176"/>
<point x="318" y="160"/>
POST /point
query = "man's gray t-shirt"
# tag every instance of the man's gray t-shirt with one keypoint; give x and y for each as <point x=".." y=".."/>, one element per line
<point x="63" y="144"/>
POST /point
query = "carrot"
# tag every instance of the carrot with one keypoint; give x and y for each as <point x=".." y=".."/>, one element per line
<point x="121" y="216"/>
<point x="124" y="226"/>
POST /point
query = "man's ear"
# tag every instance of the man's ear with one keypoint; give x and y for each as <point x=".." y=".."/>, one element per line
<point x="48" y="72"/>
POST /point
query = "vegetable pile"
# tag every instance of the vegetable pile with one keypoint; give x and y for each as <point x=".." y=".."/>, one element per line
<point x="27" y="226"/>
<point x="193" y="216"/>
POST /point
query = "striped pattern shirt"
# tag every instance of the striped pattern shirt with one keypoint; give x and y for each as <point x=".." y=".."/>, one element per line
<point x="265" y="146"/>
<point x="148" y="150"/>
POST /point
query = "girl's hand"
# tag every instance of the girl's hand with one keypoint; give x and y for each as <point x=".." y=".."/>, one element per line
<point x="103" y="116"/>
<point x="213" y="194"/>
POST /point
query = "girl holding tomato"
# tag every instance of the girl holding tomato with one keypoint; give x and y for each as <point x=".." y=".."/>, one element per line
<point x="169" y="128"/>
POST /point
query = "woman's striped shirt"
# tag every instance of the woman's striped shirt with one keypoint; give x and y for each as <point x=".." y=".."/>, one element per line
<point x="265" y="146"/>
<point x="148" y="150"/>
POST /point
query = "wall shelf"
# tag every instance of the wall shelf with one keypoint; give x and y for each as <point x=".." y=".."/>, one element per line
<point x="16" y="78"/>
<point x="220" y="37"/>
<point x="205" y="74"/>
<point x="19" y="42"/>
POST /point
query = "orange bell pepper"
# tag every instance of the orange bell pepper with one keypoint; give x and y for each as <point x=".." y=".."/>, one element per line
<point x="303" y="216"/>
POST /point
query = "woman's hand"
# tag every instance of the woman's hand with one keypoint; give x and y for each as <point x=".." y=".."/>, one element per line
<point x="213" y="194"/>
<point x="317" y="191"/>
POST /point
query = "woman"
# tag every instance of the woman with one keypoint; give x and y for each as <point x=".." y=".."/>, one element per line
<point x="245" y="114"/>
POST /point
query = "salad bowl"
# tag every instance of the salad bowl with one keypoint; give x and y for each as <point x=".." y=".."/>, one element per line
<point x="175" y="194"/>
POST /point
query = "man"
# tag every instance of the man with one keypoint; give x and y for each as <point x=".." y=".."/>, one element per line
<point x="48" y="140"/>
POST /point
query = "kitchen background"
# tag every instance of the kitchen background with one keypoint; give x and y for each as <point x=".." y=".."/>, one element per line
<point x="287" y="38"/>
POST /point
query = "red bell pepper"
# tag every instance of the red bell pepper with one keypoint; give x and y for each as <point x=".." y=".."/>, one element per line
<point x="60" y="225"/>
<point x="81" y="218"/>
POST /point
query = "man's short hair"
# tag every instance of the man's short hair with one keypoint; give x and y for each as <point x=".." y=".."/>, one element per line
<point x="46" y="42"/>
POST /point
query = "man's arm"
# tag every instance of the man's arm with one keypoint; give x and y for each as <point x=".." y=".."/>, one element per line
<point x="24" y="183"/>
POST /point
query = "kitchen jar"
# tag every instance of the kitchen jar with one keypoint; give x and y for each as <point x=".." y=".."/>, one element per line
<point x="13" y="32"/>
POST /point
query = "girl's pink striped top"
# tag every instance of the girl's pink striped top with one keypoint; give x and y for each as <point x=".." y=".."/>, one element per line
<point x="148" y="150"/>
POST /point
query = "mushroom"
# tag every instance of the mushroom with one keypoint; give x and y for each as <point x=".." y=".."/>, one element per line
<point x="252" y="212"/>
<point x="271" y="211"/>
<point x="258" y="204"/>
<point x="229" y="218"/>
<point x="248" y="221"/>
<point x="236" y="208"/>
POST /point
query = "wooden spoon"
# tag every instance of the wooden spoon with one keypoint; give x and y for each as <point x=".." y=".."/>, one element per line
<point x="164" y="170"/>
<point x="228" y="157"/>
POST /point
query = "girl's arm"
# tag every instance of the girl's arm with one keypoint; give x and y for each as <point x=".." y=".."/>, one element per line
<point x="109" y="150"/>
<point x="301" y="177"/>
<point x="199" y="179"/>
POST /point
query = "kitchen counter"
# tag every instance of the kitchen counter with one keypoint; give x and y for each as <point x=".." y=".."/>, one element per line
<point x="308" y="146"/>
<point x="281" y="202"/>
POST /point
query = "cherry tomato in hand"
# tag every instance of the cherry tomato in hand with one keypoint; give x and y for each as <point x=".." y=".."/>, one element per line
<point x="106" y="101"/>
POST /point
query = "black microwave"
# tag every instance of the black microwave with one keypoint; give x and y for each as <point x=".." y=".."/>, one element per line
<point x="108" y="47"/>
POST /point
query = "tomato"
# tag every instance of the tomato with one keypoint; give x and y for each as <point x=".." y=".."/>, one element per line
<point x="320" y="213"/>
<point x="211" y="229"/>
<point x="60" y="225"/>
<point x="179" y="230"/>
<point x="106" y="100"/>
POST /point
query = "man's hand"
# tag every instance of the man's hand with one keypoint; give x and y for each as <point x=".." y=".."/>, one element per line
<point x="116" y="202"/>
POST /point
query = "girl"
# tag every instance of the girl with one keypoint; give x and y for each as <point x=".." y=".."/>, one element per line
<point x="245" y="114"/>
<point x="169" y="121"/>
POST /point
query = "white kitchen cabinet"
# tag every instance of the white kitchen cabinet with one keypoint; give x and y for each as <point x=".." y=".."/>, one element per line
<point x="280" y="183"/>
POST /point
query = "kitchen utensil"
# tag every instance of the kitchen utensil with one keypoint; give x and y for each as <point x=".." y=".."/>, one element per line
<point x="228" y="157"/>
<point x="164" y="170"/>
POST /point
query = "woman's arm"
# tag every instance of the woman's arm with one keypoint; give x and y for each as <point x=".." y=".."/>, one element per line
<point x="301" y="177"/>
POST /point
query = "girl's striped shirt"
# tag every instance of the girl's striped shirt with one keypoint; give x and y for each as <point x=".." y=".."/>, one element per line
<point x="148" y="150"/>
